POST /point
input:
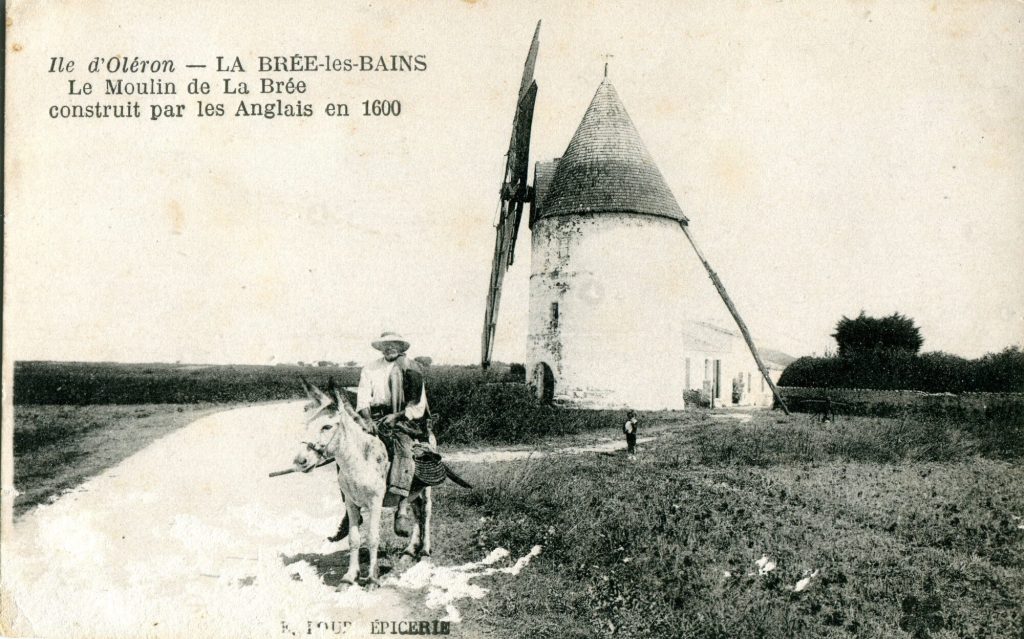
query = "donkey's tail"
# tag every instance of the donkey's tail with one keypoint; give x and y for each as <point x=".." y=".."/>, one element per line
<point x="455" y="478"/>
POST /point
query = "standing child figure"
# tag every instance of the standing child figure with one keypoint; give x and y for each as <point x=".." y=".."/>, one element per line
<point x="630" y="429"/>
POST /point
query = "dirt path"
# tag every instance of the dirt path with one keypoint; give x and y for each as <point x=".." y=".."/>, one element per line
<point x="190" y="537"/>
<point x="492" y="455"/>
<point x="741" y="415"/>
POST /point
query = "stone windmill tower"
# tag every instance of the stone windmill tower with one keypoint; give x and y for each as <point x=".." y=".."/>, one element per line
<point x="608" y="282"/>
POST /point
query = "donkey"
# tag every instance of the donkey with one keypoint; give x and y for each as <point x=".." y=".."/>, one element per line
<point x="335" y="429"/>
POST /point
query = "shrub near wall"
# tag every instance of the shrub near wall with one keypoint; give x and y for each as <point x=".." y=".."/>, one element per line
<point x="471" y="410"/>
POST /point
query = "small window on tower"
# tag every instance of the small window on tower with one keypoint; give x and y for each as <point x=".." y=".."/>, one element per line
<point x="554" y="314"/>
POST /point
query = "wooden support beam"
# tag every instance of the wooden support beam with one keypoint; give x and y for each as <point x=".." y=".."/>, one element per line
<point x="736" y="316"/>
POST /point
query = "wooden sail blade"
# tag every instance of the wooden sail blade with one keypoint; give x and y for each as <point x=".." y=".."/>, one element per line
<point x="498" y="269"/>
<point x="515" y="192"/>
<point x="518" y="169"/>
<point x="531" y="62"/>
<point x="519" y="145"/>
<point x="736" y="316"/>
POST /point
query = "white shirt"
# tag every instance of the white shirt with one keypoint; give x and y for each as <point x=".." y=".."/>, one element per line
<point x="374" y="390"/>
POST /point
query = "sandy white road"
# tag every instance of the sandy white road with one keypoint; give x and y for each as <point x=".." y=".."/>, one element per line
<point x="189" y="537"/>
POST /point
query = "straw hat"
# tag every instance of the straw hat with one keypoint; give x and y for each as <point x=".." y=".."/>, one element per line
<point x="390" y="337"/>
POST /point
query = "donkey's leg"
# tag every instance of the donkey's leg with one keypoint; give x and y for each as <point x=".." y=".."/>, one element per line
<point x="410" y="549"/>
<point x="373" y="540"/>
<point x="426" y="511"/>
<point x="353" y="544"/>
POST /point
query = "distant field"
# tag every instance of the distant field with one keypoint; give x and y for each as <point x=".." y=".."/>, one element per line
<point x="86" y="383"/>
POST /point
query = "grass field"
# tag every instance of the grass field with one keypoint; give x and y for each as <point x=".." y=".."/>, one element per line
<point x="924" y="541"/>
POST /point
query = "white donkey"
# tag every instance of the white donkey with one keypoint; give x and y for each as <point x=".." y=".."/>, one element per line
<point x="335" y="429"/>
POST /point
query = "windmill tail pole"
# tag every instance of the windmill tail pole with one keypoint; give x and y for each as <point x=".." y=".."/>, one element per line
<point x="736" y="316"/>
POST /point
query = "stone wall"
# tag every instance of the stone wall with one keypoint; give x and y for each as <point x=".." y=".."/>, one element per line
<point x="862" y="401"/>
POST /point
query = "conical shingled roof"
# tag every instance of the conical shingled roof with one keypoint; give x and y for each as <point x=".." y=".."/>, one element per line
<point x="607" y="168"/>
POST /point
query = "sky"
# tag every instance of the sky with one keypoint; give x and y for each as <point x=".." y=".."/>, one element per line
<point x="868" y="156"/>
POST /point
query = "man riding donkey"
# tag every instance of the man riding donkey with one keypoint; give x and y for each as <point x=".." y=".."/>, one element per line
<point x="392" y="395"/>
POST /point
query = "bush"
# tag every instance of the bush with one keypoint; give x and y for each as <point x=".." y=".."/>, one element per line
<point x="517" y="373"/>
<point x="695" y="397"/>
<point x="1003" y="370"/>
<point x="471" y="410"/>
<point x="865" y="334"/>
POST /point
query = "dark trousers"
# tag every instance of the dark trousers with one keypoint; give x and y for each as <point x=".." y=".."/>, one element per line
<point x="631" y="443"/>
<point x="403" y="466"/>
<point x="399" y="444"/>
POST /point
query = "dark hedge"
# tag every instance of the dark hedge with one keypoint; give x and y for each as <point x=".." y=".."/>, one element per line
<point x="899" y="370"/>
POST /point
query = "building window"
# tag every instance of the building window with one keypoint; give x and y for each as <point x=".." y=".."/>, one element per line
<point x="563" y="247"/>
<point x="687" y="373"/>
<point x="554" y="315"/>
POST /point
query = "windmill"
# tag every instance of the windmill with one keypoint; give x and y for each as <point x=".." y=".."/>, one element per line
<point x="603" y="194"/>
<point x="515" y="193"/>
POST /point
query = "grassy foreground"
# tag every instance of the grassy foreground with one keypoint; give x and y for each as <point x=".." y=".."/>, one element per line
<point x="917" y="535"/>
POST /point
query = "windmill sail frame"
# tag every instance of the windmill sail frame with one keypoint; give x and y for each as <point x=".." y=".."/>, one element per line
<point x="515" y="193"/>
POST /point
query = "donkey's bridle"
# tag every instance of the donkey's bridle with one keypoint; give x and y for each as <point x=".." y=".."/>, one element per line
<point x="320" y="449"/>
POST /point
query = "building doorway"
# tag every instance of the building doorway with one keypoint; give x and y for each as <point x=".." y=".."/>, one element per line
<point x="543" y="381"/>
<point x="716" y="383"/>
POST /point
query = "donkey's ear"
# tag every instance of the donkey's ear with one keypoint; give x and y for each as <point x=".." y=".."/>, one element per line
<point x="313" y="392"/>
<point x="306" y="386"/>
<point x="341" y="399"/>
<point x="336" y="394"/>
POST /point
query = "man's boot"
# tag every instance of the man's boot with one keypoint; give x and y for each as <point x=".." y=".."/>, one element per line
<point x="403" y="518"/>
